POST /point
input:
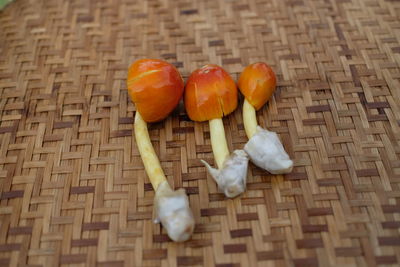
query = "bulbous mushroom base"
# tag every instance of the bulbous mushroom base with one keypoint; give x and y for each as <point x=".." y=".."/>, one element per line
<point x="231" y="179"/>
<point x="266" y="151"/>
<point x="171" y="208"/>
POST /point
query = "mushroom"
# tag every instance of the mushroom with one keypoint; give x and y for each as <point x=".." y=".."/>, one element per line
<point x="156" y="87"/>
<point x="257" y="83"/>
<point x="210" y="94"/>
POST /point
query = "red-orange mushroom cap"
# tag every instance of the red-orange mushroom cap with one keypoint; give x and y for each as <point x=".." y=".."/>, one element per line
<point x="257" y="83"/>
<point x="155" y="86"/>
<point x="210" y="93"/>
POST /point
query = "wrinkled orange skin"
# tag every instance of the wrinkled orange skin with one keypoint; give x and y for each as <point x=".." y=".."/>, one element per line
<point x="210" y="93"/>
<point x="155" y="86"/>
<point x="257" y="83"/>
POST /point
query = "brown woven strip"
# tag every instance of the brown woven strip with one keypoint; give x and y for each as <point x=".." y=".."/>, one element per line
<point x="73" y="190"/>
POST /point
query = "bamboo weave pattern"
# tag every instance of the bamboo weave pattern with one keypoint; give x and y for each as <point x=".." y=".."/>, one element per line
<point x="73" y="190"/>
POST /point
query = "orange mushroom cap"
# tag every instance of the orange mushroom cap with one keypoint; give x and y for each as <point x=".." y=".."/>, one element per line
<point x="155" y="86"/>
<point x="210" y="93"/>
<point x="257" y="83"/>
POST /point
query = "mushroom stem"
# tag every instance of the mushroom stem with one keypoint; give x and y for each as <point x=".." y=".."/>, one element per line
<point x="150" y="160"/>
<point x="218" y="141"/>
<point x="264" y="147"/>
<point x="171" y="208"/>
<point x="249" y="119"/>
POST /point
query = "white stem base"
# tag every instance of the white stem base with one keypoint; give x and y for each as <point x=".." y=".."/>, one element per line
<point x="231" y="178"/>
<point x="232" y="169"/>
<point x="264" y="147"/>
<point x="266" y="151"/>
<point x="171" y="208"/>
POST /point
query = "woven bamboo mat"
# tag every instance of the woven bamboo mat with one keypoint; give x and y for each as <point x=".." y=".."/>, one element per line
<point x="72" y="185"/>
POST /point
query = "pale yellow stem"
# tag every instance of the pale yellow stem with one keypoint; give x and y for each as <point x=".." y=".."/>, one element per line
<point x="249" y="119"/>
<point x="218" y="141"/>
<point x="150" y="160"/>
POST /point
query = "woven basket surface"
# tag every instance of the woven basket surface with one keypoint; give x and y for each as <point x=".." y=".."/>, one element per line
<point x="73" y="190"/>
